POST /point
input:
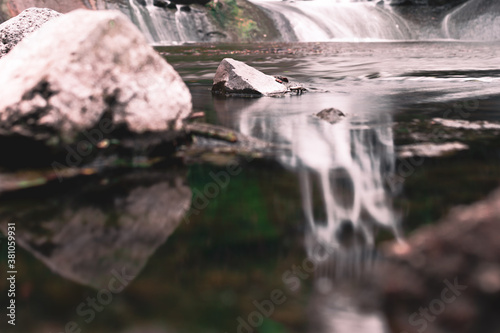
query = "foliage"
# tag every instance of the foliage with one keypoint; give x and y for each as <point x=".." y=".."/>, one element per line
<point x="230" y="15"/>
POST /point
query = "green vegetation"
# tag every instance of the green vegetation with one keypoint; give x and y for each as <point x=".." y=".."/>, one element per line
<point x="239" y="18"/>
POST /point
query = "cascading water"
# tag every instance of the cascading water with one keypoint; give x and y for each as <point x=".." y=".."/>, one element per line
<point x="167" y="26"/>
<point x="321" y="20"/>
<point x="326" y="20"/>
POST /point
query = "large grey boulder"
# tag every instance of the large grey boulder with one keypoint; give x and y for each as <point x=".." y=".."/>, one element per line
<point x="235" y="77"/>
<point x="15" y="29"/>
<point x="84" y="67"/>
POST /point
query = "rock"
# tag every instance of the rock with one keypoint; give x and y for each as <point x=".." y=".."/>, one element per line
<point x="185" y="8"/>
<point x="171" y="5"/>
<point x="160" y="3"/>
<point x="426" y="2"/>
<point x="191" y="2"/>
<point x="331" y="115"/>
<point x="429" y="149"/>
<point x="15" y="29"/>
<point x="281" y="79"/>
<point x="81" y="70"/>
<point x="236" y="77"/>
<point x="465" y="124"/>
<point x="11" y="8"/>
<point x="463" y="249"/>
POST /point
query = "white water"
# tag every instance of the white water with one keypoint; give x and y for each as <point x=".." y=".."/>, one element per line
<point x="348" y="165"/>
<point x="327" y="20"/>
<point x="322" y="20"/>
<point x="166" y="26"/>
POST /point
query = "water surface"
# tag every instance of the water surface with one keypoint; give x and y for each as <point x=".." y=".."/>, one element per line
<point x="200" y="244"/>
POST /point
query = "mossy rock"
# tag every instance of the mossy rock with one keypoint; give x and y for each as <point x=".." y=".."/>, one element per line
<point x="238" y="18"/>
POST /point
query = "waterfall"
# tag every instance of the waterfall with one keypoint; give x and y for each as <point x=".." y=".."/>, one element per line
<point x="327" y="20"/>
<point x="320" y="20"/>
<point x="169" y="26"/>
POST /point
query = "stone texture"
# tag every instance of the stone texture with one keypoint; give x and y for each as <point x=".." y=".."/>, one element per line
<point x="84" y="66"/>
<point x="463" y="248"/>
<point x="15" y="29"/>
<point x="331" y="115"/>
<point x="236" y="77"/>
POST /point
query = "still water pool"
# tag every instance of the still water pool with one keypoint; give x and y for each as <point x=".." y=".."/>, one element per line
<point x="228" y="248"/>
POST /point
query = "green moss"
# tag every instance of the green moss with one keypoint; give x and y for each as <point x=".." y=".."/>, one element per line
<point x="239" y="18"/>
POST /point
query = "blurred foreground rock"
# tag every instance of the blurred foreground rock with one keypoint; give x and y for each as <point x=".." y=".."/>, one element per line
<point x="447" y="278"/>
<point x="82" y="77"/>
<point x="17" y="28"/>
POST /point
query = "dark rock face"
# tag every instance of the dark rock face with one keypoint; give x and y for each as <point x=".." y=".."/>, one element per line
<point x="17" y="28"/>
<point x="191" y="2"/>
<point x="160" y="3"/>
<point x="331" y="115"/>
<point x="426" y="2"/>
<point x="452" y="269"/>
<point x="81" y="70"/>
<point x="236" y="77"/>
<point x="12" y="8"/>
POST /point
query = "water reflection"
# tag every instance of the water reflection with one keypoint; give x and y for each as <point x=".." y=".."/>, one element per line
<point x="344" y="171"/>
<point x="86" y="233"/>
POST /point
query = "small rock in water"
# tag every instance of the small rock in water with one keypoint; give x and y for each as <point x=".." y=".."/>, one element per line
<point x="237" y="78"/>
<point x="185" y="8"/>
<point x="331" y="115"/>
<point x="430" y="149"/>
<point x="280" y="79"/>
<point x="17" y="28"/>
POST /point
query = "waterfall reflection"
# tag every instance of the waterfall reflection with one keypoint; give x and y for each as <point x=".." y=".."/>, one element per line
<point x="343" y="170"/>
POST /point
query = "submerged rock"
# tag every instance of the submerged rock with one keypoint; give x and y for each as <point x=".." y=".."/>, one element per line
<point x="15" y="29"/>
<point x="430" y="149"/>
<point x="448" y="272"/>
<point x="160" y="3"/>
<point x="87" y="73"/>
<point x="465" y="124"/>
<point x="235" y="77"/>
<point x="331" y="115"/>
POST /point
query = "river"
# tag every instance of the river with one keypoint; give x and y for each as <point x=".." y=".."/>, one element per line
<point x="286" y="243"/>
<point x="238" y="258"/>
